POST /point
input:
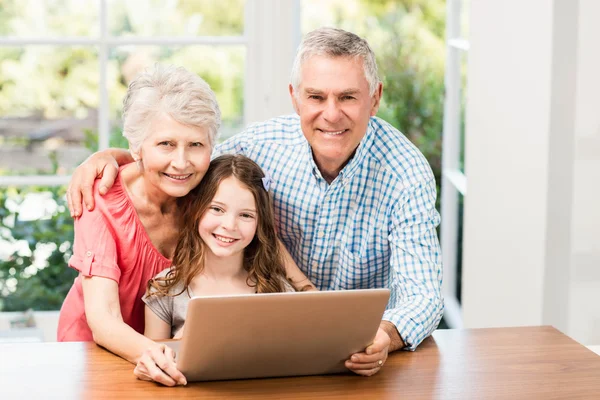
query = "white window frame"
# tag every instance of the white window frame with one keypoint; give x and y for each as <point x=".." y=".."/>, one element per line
<point x="454" y="181"/>
<point x="271" y="35"/>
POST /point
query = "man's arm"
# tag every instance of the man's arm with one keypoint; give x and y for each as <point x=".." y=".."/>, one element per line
<point x="396" y="342"/>
<point x="104" y="165"/>
<point x="415" y="282"/>
<point x="416" y="303"/>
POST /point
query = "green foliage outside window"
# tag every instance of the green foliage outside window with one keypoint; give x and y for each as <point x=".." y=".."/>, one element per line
<point x="35" y="273"/>
<point x="26" y="279"/>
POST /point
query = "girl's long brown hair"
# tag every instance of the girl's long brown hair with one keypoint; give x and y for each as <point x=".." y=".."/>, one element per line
<point x="262" y="257"/>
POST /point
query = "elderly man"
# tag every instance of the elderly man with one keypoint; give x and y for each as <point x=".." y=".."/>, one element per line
<point x="354" y="199"/>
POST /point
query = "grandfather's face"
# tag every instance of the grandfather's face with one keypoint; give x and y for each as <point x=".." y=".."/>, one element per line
<point x="334" y="106"/>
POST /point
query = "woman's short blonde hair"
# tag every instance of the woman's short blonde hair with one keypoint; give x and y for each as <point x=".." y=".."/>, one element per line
<point x="181" y="94"/>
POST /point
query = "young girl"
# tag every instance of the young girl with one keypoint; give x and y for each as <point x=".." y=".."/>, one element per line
<point x="227" y="245"/>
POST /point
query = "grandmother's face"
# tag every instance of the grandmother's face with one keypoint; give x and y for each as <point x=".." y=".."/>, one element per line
<point x="174" y="156"/>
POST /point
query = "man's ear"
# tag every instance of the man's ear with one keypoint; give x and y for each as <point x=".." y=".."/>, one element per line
<point x="377" y="99"/>
<point x="293" y="97"/>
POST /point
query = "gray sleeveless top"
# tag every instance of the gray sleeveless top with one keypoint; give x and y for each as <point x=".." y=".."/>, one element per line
<point x="173" y="309"/>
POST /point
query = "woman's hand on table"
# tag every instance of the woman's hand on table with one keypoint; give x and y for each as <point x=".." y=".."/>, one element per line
<point x="157" y="364"/>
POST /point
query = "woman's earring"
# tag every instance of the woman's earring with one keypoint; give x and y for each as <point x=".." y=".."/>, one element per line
<point x="138" y="162"/>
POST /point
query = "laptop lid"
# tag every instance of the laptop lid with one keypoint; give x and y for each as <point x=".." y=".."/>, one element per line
<point x="277" y="334"/>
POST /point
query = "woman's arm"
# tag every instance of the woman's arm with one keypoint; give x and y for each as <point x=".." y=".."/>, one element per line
<point x="300" y="281"/>
<point x="103" y="313"/>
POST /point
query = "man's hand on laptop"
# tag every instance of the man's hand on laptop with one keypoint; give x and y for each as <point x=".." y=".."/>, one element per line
<point x="372" y="359"/>
<point x="158" y="364"/>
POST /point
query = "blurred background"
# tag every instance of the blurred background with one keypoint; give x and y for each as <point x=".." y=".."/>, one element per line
<point x="498" y="95"/>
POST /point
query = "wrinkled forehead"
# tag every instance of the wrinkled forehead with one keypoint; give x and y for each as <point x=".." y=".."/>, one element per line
<point x="338" y="74"/>
<point x="321" y="57"/>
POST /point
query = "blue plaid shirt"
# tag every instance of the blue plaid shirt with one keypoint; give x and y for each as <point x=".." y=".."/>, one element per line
<point x="372" y="227"/>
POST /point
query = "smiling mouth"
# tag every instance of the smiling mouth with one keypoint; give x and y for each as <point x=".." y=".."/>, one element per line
<point x="223" y="239"/>
<point x="177" y="177"/>
<point x="333" y="133"/>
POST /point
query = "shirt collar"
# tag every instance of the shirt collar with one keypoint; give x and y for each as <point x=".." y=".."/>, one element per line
<point x="356" y="162"/>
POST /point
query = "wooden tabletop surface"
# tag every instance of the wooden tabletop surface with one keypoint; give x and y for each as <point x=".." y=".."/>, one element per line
<point x="500" y="363"/>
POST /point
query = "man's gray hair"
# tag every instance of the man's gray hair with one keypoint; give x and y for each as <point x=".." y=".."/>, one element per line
<point x="181" y="94"/>
<point x="333" y="42"/>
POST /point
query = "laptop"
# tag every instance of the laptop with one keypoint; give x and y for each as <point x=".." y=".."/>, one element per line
<point x="277" y="334"/>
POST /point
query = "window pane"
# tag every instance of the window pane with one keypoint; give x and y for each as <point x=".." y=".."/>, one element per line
<point x="463" y="107"/>
<point x="49" y="18"/>
<point x="465" y="8"/>
<point x="48" y="102"/>
<point x="221" y="66"/>
<point x="176" y="18"/>
<point x="36" y="236"/>
<point x="459" y="247"/>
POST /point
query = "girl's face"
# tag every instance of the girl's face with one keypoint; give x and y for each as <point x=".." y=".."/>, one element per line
<point x="174" y="156"/>
<point x="229" y="224"/>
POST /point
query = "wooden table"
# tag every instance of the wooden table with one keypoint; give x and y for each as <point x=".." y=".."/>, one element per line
<point x="503" y="363"/>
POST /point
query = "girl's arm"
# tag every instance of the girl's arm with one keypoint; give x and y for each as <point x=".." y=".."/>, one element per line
<point x="300" y="281"/>
<point x="155" y="328"/>
<point x="103" y="313"/>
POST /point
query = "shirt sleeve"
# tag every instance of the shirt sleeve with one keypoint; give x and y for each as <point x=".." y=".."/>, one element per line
<point x="162" y="306"/>
<point x="94" y="247"/>
<point x="234" y="145"/>
<point x="416" y="304"/>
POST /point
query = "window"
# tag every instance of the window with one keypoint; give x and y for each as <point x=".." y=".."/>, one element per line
<point x="64" y="69"/>
<point x="454" y="181"/>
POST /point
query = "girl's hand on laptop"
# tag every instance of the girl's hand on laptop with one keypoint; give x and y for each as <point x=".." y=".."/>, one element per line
<point x="158" y="364"/>
<point x="372" y="359"/>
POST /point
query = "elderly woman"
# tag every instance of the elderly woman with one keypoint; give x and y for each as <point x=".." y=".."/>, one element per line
<point x="171" y="118"/>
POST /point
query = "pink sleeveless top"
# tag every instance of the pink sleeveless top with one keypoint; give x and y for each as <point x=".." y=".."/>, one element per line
<point x="110" y="242"/>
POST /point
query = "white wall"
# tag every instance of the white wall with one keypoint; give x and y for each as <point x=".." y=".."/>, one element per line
<point x="506" y="162"/>
<point x="584" y="289"/>
<point x="273" y="37"/>
<point x="532" y="224"/>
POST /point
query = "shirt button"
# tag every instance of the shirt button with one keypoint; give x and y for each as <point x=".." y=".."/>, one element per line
<point x="88" y="253"/>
